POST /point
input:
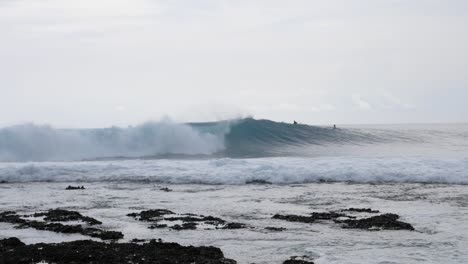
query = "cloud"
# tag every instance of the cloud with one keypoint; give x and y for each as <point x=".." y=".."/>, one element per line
<point x="322" y="108"/>
<point x="361" y="103"/>
<point x="394" y="101"/>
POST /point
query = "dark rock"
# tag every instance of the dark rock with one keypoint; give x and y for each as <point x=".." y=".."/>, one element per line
<point x="136" y="240"/>
<point x="210" y="219"/>
<point x="185" y="226"/>
<point x="295" y="218"/>
<point x="72" y="229"/>
<point x="234" y="226"/>
<point x="327" y="216"/>
<point x="59" y="215"/>
<point x="382" y="222"/>
<point x="257" y="181"/>
<point x="9" y="244"/>
<point x="362" y="210"/>
<point x="309" y="219"/>
<point x="166" y="189"/>
<point x="150" y="215"/>
<point x="297" y="260"/>
<point x="158" y="226"/>
<point x="75" y="187"/>
<point x="2" y="182"/>
<point x="13" y="218"/>
<point x="275" y="229"/>
<point x="189" y="221"/>
<point x="92" y="252"/>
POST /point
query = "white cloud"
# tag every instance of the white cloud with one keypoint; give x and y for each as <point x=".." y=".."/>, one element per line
<point x="361" y="103"/>
<point x="396" y="101"/>
<point x="322" y="108"/>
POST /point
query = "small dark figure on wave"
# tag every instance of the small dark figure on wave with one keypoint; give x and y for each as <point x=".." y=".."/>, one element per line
<point x="295" y="123"/>
<point x="334" y="126"/>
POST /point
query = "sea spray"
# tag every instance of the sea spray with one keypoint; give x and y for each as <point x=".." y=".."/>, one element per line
<point x="30" y="142"/>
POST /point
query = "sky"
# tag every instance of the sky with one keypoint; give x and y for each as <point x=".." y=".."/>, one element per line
<point x="98" y="63"/>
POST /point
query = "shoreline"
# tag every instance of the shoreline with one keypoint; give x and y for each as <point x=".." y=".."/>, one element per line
<point x="432" y="209"/>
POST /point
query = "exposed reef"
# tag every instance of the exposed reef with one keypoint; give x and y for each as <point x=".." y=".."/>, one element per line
<point x="298" y="260"/>
<point x="69" y="187"/>
<point x="309" y="219"/>
<point x="51" y="221"/>
<point x="13" y="251"/>
<point x="361" y="210"/>
<point x="163" y="218"/>
<point x="378" y="222"/>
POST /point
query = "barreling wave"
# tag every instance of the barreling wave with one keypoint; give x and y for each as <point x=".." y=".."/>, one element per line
<point x="236" y="138"/>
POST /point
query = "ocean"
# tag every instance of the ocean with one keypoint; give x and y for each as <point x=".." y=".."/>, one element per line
<point x="247" y="171"/>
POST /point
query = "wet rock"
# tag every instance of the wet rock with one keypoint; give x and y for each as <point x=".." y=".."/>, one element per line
<point x="309" y="219"/>
<point x="257" y="181"/>
<point x="75" y="187"/>
<point x="275" y="229"/>
<point x="185" y="226"/>
<point x="11" y="217"/>
<point x="20" y="223"/>
<point x="327" y="216"/>
<point x="9" y="244"/>
<point x="136" y="240"/>
<point x="298" y="260"/>
<point x="234" y="225"/>
<point x="92" y="252"/>
<point x="59" y="215"/>
<point x="189" y="221"/>
<point x="361" y="210"/>
<point x="166" y="189"/>
<point x="158" y="226"/>
<point x="150" y="215"/>
<point x="72" y="229"/>
<point x="379" y="222"/>
<point x="295" y="218"/>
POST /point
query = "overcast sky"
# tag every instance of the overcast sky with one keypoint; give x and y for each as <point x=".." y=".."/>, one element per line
<point x="95" y="63"/>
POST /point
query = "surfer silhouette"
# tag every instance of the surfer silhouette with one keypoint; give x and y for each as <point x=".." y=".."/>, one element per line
<point x="334" y="126"/>
<point x="295" y="123"/>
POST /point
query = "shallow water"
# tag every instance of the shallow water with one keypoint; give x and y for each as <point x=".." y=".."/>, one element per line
<point x="438" y="212"/>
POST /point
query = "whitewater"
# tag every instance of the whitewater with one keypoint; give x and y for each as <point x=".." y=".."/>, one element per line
<point x="235" y="152"/>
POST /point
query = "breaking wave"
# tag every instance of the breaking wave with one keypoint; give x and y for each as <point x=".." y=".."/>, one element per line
<point x="43" y="143"/>
<point x="243" y="138"/>
<point x="283" y="170"/>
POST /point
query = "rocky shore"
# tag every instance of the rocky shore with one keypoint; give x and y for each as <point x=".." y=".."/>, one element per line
<point x="109" y="250"/>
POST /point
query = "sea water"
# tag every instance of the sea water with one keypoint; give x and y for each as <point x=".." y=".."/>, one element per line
<point x="419" y="172"/>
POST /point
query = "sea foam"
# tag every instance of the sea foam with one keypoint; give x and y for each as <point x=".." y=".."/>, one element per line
<point x="241" y="171"/>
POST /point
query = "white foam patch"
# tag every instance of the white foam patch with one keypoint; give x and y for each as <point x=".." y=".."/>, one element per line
<point x="240" y="171"/>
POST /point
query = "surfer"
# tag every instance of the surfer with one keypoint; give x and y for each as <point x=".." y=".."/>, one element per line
<point x="295" y="123"/>
<point x="334" y="126"/>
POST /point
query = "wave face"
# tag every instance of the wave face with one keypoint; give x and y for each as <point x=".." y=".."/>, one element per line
<point x="244" y="138"/>
<point x="282" y="170"/>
